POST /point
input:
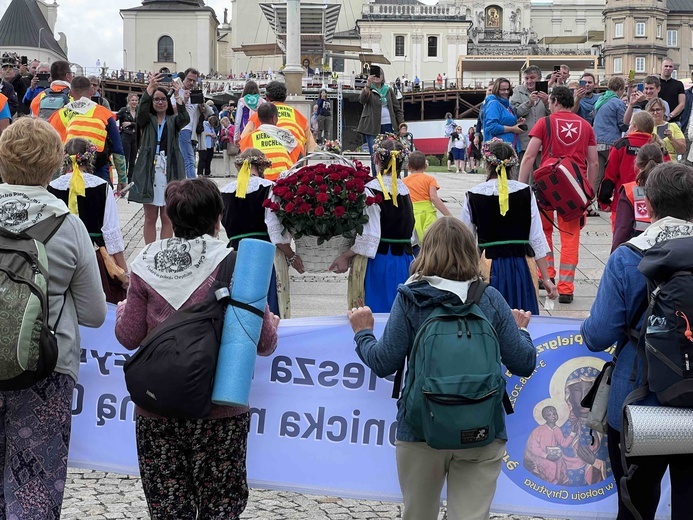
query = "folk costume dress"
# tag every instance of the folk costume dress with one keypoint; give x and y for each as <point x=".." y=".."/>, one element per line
<point x="93" y="202"/>
<point x="245" y="217"/>
<point x="510" y="242"/>
<point x="386" y="242"/>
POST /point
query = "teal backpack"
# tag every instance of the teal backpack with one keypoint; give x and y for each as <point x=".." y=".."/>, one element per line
<point x="454" y="393"/>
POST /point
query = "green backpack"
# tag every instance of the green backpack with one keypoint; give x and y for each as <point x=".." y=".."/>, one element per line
<point x="454" y="393"/>
<point x="28" y="347"/>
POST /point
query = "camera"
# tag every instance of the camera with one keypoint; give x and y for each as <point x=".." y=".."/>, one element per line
<point x="196" y="97"/>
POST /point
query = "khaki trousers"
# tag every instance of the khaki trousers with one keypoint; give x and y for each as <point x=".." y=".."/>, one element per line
<point x="471" y="476"/>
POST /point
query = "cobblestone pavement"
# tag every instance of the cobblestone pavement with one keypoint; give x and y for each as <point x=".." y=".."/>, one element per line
<point x="97" y="495"/>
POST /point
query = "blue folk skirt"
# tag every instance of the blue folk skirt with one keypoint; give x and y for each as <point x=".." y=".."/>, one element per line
<point x="384" y="273"/>
<point x="511" y="277"/>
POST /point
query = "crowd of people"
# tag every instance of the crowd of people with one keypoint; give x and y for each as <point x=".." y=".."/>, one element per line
<point x="627" y="146"/>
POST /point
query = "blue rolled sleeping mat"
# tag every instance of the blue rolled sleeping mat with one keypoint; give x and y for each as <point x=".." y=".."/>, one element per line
<point x="243" y="322"/>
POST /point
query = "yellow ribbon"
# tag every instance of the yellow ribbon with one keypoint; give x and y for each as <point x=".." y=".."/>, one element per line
<point x="77" y="187"/>
<point x="503" y="193"/>
<point x="386" y="194"/>
<point x="243" y="179"/>
<point x="393" y="175"/>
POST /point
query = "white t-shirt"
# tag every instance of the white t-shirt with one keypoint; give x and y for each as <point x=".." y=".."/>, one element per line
<point x="385" y="118"/>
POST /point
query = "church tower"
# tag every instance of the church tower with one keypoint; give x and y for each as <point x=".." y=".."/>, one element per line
<point x="634" y="37"/>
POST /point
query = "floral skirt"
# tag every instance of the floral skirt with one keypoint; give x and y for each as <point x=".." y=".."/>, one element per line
<point x="193" y="468"/>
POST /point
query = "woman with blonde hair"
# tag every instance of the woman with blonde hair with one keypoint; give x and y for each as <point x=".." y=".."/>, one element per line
<point x="35" y="421"/>
<point x="247" y="215"/>
<point x="670" y="133"/>
<point x="445" y="273"/>
<point x="504" y="216"/>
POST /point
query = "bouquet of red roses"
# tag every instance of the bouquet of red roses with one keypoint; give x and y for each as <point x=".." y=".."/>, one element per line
<point x="323" y="201"/>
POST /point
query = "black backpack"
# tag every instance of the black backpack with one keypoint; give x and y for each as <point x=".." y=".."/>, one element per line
<point x="172" y="372"/>
<point x="665" y="341"/>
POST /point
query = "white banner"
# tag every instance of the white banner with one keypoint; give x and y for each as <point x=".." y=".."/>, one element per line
<point x="323" y="423"/>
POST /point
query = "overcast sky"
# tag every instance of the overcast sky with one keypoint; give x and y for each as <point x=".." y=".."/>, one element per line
<point x="94" y="28"/>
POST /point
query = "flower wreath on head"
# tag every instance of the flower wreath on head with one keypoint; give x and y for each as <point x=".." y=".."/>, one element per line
<point x="501" y="171"/>
<point x="389" y="157"/>
<point x="261" y="162"/>
<point x="77" y="185"/>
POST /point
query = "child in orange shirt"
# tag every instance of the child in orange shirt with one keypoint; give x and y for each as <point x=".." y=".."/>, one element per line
<point x="423" y="190"/>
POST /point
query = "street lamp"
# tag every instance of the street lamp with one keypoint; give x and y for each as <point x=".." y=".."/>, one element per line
<point x="39" y="46"/>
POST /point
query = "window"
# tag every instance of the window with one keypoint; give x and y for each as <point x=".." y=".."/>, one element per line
<point x="618" y="30"/>
<point x="640" y="64"/>
<point x="659" y="30"/>
<point x="432" y="46"/>
<point x="618" y="65"/>
<point x="672" y="38"/>
<point x="399" y="46"/>
<point x="639" y="28"/>
<point x="337" y="64"/>
<point x="165" y="49"/>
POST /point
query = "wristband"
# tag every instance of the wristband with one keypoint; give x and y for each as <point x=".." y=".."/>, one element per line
<point x="290" y="261"/>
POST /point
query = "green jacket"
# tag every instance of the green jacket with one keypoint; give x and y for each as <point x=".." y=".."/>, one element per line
<point x="372" y="107"/>
<point x="143" y="172"/>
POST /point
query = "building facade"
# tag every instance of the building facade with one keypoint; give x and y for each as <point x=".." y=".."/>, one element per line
<point x="170" y="33"/>
<point x="639" y="34"/>
<point x="27" y="28"/>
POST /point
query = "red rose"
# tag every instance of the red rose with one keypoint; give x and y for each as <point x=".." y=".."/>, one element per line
<point x="361" y="174"/>
<point x="359" y="185"/>
<point x="378" y="198"/>
<point x="274" y="206"/>
<point x="302" y="190"/>
<point x="288" y="195"/>
<point x="319" y="211"/>
<point x="323" y="188"/>
<point x="370" y="201"/>
<point x="323" y="197"/>
<point x="280" y="182"/>
<point x="292" y="179"/>
<point x="310" y="192"/>
<point x="339" y="211"/>
<point x="305" y="208"/>
<point x="266" y="203"/>
<point x="337" y="190"/>
<point x="350" y="184"/>
<point x="335" y="177"/>
<point x="344" y="174"/>
<point x="352" y="196"/>
<point x="289" y="208"/>
<point x="319" y="179"/>
<point x="299" y="201"/>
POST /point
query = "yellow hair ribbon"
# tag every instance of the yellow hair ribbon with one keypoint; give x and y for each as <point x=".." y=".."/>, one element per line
<point x="393" y="175"/>
<point x="386" y="194"/>
<point x="77" y="187"/>
<point x="503" y="193"/>
<point x="243" y="179"/>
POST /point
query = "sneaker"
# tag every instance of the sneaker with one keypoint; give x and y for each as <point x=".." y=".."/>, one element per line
<point x="565" y="298"/>
<point x="541" y="284"/>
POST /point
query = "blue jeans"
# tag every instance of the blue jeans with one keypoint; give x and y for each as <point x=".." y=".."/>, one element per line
<point x="370" y="139"/>
<point x="186" y="149"/>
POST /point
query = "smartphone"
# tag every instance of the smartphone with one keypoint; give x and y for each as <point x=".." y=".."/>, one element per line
<point x="120" y="194"/>
<point x="167" y="77"/>
<point x="661" y="129"/>
<point x="523" y="127"/>
<point x="583" y="83"/>
<point x="96" y="99"/>
<point x="24" y="60"/>
<point x="196" y="97"/>
<point x="641" y="87"/>
<point x="375" y="71"/>
<point x="631" y="75"/>
<point x="43" y="80"/>
<point x="556" y="68"/>
<point x="542" y="86"/>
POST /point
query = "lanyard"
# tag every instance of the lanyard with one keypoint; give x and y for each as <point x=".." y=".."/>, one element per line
<point x="159" y="131"/>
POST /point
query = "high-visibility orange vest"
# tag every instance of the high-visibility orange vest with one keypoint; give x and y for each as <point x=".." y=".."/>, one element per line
<point x="273" y="149"/>
<point x="3" y="101"/>
<point x="636" y="196"/>
<point x="91" y="125"/>
<point x="289" y="118"/>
